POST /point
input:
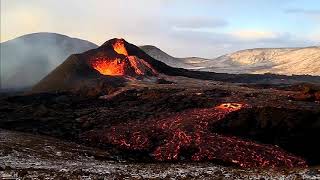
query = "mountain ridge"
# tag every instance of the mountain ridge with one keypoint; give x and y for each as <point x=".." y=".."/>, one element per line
<point x="285" y="61"/>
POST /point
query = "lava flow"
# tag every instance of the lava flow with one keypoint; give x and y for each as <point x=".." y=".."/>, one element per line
<point x="186" y="135"/>
<point x="122" y="65"/>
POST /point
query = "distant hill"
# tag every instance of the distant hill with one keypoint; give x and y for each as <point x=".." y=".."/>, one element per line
<point x="187" y="63"/>
<point x="287" y="61"/>
<point x="27" y="59"/>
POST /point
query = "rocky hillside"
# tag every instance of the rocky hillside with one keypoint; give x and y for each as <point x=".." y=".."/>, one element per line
<point x="286" y="61"/>
<point x="27" y="59"/>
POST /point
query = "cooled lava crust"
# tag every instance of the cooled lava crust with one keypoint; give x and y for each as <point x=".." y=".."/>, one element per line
<point x="185" y="136"/>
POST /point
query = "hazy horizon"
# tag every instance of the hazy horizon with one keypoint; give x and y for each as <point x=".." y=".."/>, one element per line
<point x="180" y="28"/>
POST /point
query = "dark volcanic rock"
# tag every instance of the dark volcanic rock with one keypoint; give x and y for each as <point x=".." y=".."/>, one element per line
<point x="188" y="111"/>
<point x="27" y="156"/>
<point x="308" y="92"/>
<point x="296" y="131"/>
<point x="317" y="96"/>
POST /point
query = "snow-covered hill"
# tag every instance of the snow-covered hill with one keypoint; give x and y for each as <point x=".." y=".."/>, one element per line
<point x="286" y="61"/>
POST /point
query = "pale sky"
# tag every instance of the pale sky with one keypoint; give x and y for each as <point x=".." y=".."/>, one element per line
<point x="206" y="28"/>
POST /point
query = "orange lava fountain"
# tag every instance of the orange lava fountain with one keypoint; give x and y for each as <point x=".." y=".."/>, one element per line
<point x="118" y="47"/>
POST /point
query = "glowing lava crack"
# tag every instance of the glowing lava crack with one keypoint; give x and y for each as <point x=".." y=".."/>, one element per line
<point x="186" y="136"/>
<point x="123" y="64"/>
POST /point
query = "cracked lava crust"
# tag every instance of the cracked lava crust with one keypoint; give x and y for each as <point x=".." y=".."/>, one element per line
<point x="169" y="138"/>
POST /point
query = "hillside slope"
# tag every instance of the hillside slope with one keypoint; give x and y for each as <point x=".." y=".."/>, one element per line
<point x="286" y="61"/>
<point x="27" y="59"/>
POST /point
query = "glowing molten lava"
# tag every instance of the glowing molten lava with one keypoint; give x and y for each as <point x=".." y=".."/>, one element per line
<point x="230" y="106"/>
<point x="128" y="65"/>
<point x="118" y="47"/>
<point x="109" y="67"/>
<point x="187" y="135"/>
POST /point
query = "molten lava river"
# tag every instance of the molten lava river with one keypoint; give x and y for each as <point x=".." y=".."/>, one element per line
<point x="185" y="136"/>
<point x="121" y="66"/>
